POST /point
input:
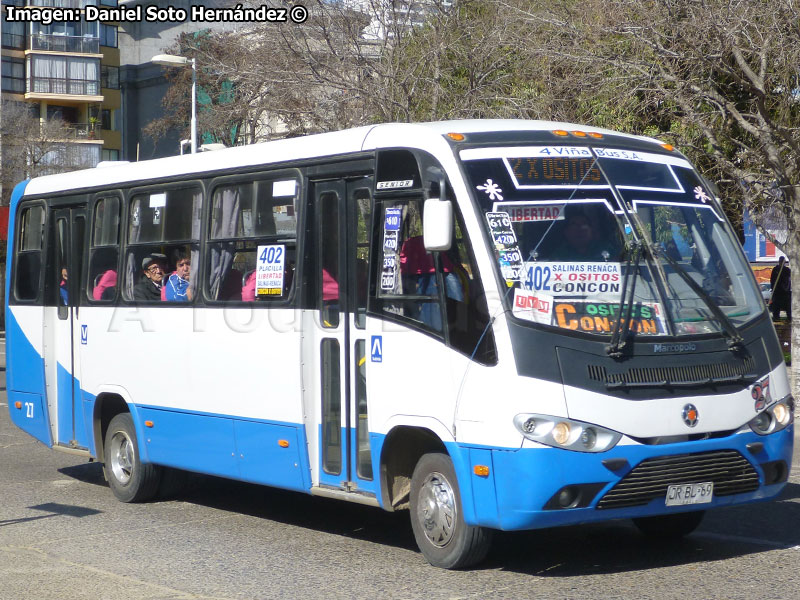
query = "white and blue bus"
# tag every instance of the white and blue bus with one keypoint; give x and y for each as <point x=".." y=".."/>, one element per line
<point x="498" y="325"/>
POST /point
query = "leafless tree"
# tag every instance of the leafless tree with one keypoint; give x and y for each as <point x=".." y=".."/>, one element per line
<point x="32" y="147"/>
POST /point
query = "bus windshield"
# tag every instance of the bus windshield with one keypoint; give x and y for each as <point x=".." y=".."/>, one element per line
<point x="566" y="247"/>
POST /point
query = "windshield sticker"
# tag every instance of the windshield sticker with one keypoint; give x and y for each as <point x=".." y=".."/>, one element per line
<point x="601" y="317"/>
<point x="392" y="223"/>
<point x="701" y="195"/>
<point x="641" y="157"/>
<point x="394" y="185"/>
<point x="561" y="279"/>
<point x="491" y="188"/>
<point x="505" y="242"/>
<point x="527" y="212"/>
<point x="270" y="269"/>
<point x="536" y="307"/>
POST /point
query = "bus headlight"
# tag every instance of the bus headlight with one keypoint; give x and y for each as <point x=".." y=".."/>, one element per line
<point x="566" y="433"/>
<point x="774" y="418"/>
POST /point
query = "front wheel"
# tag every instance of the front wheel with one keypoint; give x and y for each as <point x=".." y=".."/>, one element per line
<point x="130" y="479"/>
<point x="437" y="517"/>
<point x="670" y="526"/>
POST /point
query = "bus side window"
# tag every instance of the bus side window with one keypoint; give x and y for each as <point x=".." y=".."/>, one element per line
<point x="468" y="320"/>
<point x="165" y="225"/>
<point x="408" y="283"/>
<point x="253" y="224"/>
<point x="104" y="250"/>
<point x="27" y="279"/>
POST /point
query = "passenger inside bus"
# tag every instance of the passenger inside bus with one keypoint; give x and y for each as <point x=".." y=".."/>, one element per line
<point x="148" y="288"/>
<point x="177" y="288"/>
<point x="62" y="288"/>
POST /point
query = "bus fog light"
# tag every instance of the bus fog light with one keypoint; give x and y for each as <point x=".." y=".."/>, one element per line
<point x="568" y="496"/>
<point x="782" y="414"/>
<point x="589" y="438"/>
<point x="561" y="432"/>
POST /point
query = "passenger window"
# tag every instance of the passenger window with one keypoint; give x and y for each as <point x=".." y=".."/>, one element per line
<point x="29" y="253"/>
<point x="104" y="250"/>
<point x="408" y="285"/>
<point x="163" y="245"/>
<point x="253" y="239"/>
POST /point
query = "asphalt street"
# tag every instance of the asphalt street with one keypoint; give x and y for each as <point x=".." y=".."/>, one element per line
<point x="64" y="536"/>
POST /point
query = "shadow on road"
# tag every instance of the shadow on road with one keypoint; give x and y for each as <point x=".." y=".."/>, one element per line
<point x="614" y="547"/>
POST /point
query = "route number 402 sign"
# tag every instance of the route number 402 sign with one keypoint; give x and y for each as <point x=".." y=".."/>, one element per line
<point x="270" y="264"/>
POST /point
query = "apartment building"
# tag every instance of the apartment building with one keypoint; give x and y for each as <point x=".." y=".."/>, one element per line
<point x="66" y="70"/>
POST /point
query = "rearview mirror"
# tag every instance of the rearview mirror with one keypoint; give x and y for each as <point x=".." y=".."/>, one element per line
<point x="437" y="224"/>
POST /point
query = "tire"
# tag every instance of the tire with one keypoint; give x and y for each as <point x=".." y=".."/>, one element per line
<point x="670" y="527"/>
<point x="437" y="517"/>
<point x="129" y="478"/>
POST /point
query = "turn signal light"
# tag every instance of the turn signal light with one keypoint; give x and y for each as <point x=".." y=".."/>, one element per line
<point x="17" y="404"/>
<point x="283" y="443"/>
<point x="481" y="470"/>
<point x="148" y="423"/>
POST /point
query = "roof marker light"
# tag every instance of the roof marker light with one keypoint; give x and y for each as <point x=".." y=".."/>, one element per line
<point x="560" y="132"/>
<point x="456" y="137"/>
<point x="669" y="147"/>
<point x="578" y="133"/>
<point x="595" y="135"/>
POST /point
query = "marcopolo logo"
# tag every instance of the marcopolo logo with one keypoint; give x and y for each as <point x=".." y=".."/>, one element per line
<point x="674" y="347"/>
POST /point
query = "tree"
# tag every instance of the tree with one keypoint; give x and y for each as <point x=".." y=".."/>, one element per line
<point x="32" y="148"/>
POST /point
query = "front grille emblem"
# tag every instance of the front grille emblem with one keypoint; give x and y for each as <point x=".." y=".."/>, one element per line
<point x="690" y="415"/>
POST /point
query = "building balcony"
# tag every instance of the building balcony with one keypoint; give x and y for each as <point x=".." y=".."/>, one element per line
<point x="65" y="43"/>
<point x="63" y="3"/>
<point x="64" y="87"/>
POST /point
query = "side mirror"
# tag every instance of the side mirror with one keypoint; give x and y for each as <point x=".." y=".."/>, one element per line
<point x="437" y="224"/>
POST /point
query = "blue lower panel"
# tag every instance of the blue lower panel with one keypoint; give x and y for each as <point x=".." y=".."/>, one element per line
<point x="270" y="454"/>
<point x="189" y="441"/>
<point x="527" y="479"/>
<point x="266" y="453"/>
<point x="31" y="416"/>
<point x="66" y="435"/>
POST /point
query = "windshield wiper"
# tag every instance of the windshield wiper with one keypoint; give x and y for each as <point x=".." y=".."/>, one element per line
<point x="622" y="326"/>
<point x="735" y="341"/>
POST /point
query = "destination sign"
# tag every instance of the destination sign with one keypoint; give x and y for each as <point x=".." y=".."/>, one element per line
<point x="556" y="170"/>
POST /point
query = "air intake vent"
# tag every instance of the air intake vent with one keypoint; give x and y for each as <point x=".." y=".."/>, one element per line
<point x="729" y="470"/>
<point x="684" y="375"/>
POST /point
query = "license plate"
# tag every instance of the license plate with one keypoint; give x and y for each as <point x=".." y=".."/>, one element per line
<point x="689" y="493"/>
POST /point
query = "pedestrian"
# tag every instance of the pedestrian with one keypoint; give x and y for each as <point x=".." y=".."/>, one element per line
<point x="781" y="281"/>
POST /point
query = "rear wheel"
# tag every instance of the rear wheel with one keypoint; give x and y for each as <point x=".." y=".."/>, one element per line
<point x="437" y="517"/>
<point x="670" y="526"/>
<point x="129" y="478"/>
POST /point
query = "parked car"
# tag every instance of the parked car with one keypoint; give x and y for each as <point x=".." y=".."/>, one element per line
<point x="766" y="291"/>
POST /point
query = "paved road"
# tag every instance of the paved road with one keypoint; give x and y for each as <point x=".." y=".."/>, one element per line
<point x="63" y="535"/>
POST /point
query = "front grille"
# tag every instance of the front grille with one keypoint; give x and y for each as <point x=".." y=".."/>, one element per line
<point x="728" y="469"/>
<point x="684" y="375"/>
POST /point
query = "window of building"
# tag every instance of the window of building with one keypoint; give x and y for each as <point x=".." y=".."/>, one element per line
<point x="108" y="35"/>
<point x="105" y="119"/>
<point x="109" y="77"/>
<point x="14" y="34"/>
<point x="253" y="238"/>
<point x="109" y="154"/>
<point x="13" y="74"/>
<point x="64" y="75"/>
<point x="163" y="230"/>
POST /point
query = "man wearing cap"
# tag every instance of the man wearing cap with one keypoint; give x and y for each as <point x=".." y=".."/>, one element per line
<point x="148" y="289"/>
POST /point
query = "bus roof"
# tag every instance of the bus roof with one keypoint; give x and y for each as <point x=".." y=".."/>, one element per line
<point x="342" y="142"/>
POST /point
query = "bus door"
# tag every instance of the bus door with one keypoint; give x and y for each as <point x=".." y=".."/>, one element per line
<point x="337" y="402"/>
<point x="62" y="333"/>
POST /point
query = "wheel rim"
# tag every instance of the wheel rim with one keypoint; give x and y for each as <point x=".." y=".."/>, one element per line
<point x="121" y="457"/>
<point x="437" y="509"/>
